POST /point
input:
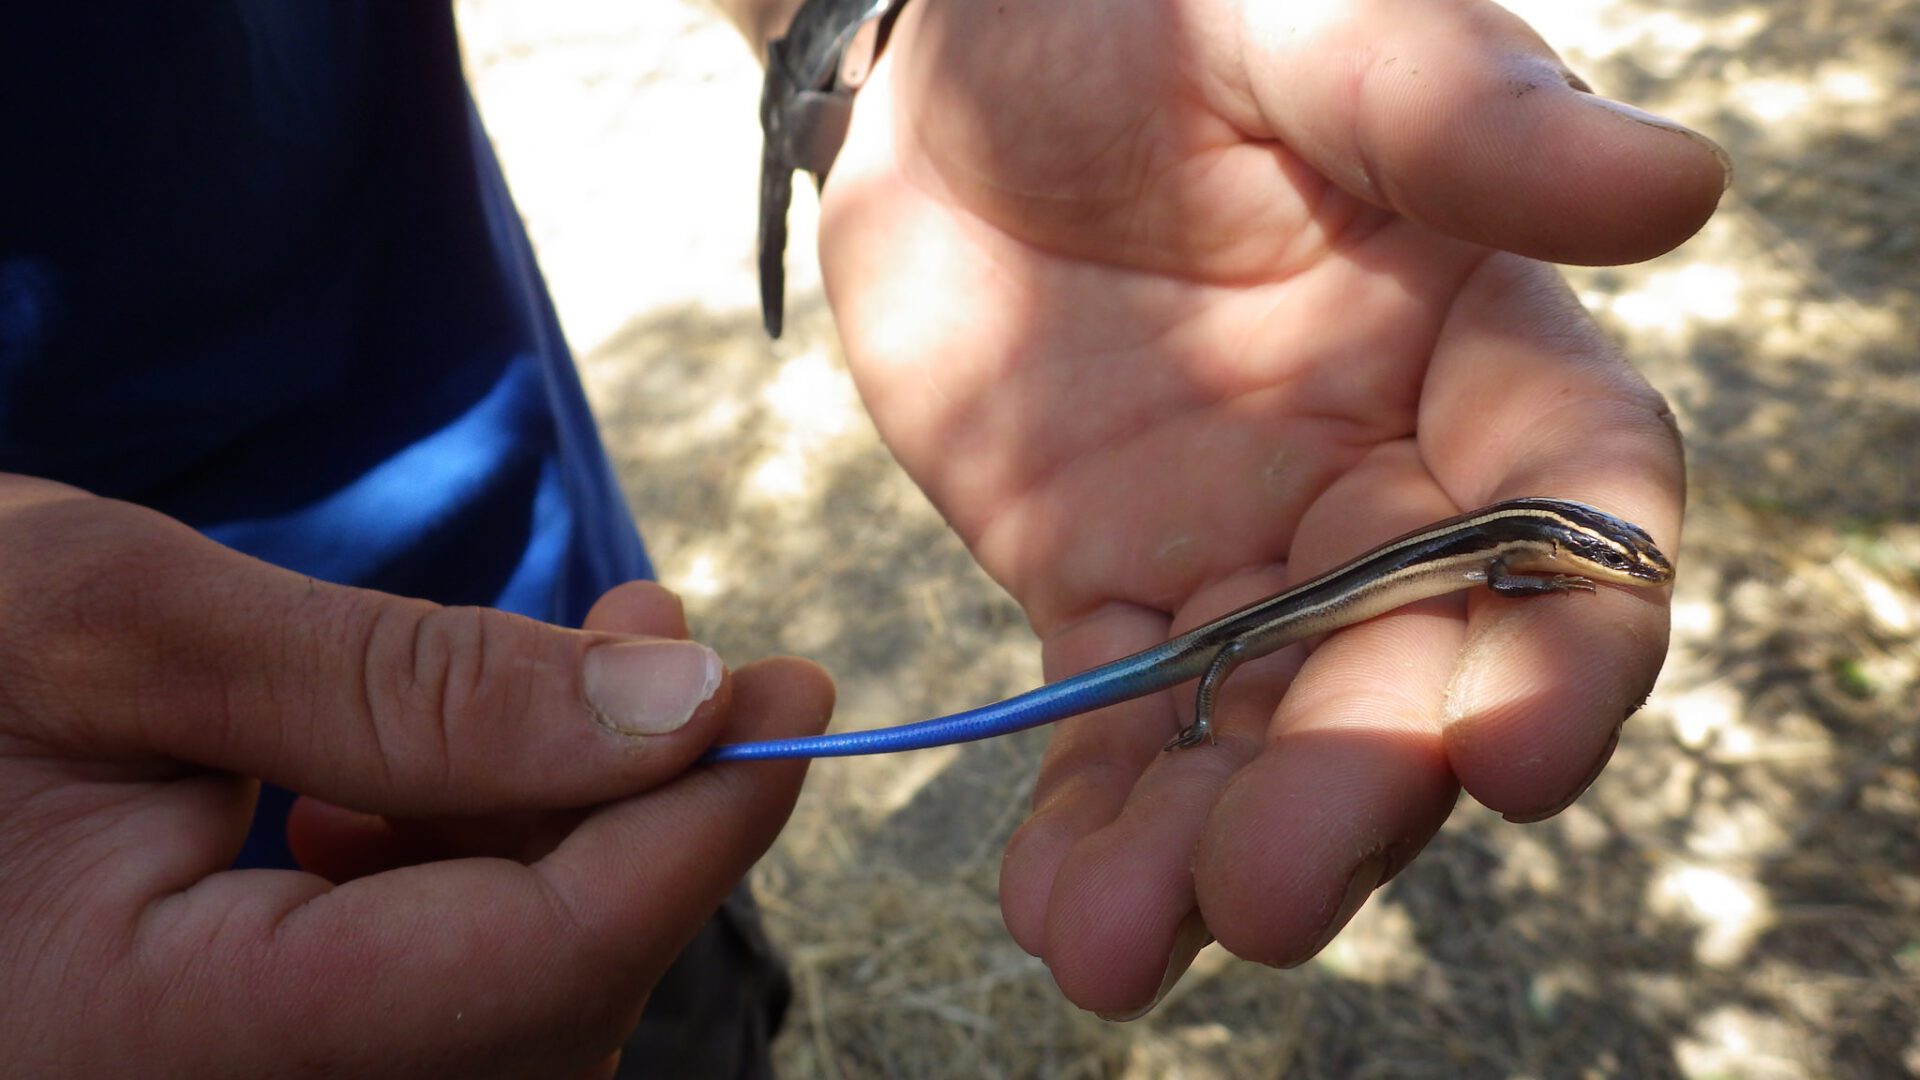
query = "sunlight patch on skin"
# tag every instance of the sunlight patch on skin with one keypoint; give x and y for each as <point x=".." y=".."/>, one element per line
<point x="1303" y="20"/>
<point x="1276" y="476"/>
<point x="1595" y="24"/>
<point x="1178" y="558"/>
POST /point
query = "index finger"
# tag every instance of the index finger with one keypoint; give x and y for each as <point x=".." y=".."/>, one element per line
<point x="1529" y="398"/>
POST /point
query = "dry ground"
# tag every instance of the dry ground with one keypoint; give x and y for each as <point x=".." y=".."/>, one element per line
<point x="1739" y="895"/>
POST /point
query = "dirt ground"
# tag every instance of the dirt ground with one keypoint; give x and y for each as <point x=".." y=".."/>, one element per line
<point x="1738" y="896"/>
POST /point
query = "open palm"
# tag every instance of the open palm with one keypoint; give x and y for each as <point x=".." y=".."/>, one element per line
<point x="1168" y="304"/>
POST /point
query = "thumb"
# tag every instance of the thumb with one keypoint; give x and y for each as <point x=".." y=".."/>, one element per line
<point x="1459" y="117"/>
<point x="131" y="636"/>
<point x="341" y="844"/>
<point x="472" y="966"/>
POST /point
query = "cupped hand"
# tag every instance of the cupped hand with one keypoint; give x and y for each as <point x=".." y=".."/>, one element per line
<point x="147" y="675"/>
<point x="1168" y="304"/>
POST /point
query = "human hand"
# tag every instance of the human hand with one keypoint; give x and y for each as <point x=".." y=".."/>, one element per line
<point x="1168" y="305"/>
<point x="146" y="674"/>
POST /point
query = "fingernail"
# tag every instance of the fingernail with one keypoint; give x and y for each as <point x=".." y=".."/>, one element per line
<point x="1599" y="764"/>
<point x="1188" y="940"/>
<point x="649" y="687"/>
<point x="1360" y="885"/>
<point x="1641" y="116"/>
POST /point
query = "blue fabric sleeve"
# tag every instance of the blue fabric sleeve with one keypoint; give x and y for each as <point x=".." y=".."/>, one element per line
<point x="259" y="270"/>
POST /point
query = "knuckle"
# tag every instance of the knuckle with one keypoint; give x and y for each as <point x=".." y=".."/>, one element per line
<point x="433" y="678"/>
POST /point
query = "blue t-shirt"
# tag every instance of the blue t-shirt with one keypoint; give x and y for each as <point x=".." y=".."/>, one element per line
<point x="259" y="270"/>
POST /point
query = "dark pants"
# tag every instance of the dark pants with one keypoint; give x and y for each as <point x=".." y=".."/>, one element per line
<point x="715" y="1012"/>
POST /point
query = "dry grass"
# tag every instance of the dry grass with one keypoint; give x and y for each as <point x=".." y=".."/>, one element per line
<point x="1738" y="896"/>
